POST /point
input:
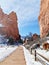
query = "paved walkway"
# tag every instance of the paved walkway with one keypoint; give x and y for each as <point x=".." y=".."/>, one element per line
<point x="16" y="58"/>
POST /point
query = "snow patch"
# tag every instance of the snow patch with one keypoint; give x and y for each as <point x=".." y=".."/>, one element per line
<point x="6" y="51"/>
<point x="43" y="53"/>
<point x="30" y="58"/>
<point x="48" y="41"/>
<point x="1" y="25"/>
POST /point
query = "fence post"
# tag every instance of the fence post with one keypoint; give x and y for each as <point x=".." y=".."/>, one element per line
<point x="35" y="55"/>
<point x="31" y="50"/>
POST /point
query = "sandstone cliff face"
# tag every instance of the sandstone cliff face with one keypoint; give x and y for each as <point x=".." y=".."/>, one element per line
<point x="9" y="25"/>
<point x="44" y="18"/>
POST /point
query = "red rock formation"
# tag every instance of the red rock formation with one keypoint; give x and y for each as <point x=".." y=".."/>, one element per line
<point x="35" y="36"/>
<point x="9" y="25"/>
<point x="46" y="46"/>
<point x="44" y="18"/>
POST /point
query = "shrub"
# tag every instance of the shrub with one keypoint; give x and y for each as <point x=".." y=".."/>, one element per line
<point x="11" y="41"/>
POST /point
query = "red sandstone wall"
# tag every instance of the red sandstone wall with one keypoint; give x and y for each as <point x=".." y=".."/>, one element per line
<point x="10" y="24"/>
<point x="44" y="18"/>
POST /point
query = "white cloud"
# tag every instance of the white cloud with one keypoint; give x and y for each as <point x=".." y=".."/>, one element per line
<point x="25" y="9"/>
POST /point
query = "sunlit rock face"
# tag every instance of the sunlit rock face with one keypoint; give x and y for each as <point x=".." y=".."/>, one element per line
<point x="9" y="25"/>
<point x="44" y="18"/>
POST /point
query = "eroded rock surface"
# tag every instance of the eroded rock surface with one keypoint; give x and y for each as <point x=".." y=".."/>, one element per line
<point x="9" y="25"/>
<point x="44" y="18"/>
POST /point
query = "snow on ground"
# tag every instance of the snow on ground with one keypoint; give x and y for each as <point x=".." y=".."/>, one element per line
<point x="30" y="58"/>
<point x="44" y="53"/>
<point x="6" y="51"/>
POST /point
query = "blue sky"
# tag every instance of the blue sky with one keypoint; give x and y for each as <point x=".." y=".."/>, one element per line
<point x="27" y="12"/>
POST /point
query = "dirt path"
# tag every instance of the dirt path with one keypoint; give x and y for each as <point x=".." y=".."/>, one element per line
<point x="16" y="58"/>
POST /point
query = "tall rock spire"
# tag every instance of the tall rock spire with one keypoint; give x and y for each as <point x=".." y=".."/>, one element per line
<point x="44" y="18"/>
<point x="10" y="23"/>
